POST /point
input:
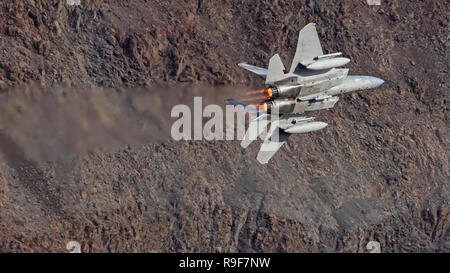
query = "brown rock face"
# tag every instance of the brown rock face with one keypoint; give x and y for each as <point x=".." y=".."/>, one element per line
<point x="379" y="171"/>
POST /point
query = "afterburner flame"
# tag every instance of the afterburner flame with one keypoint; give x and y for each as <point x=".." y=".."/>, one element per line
<point x="256" y="92"/>
<point x="259" y="108"/>
<point x="264" y="105"/>
<point x="267" y="92"/>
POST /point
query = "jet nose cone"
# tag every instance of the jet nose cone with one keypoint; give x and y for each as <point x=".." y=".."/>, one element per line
<point x="376" y="82"/>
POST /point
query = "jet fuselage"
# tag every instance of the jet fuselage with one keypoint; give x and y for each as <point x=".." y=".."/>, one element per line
<point x="314" y="90"/>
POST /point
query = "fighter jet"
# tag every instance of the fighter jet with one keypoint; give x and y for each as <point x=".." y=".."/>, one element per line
<point x="313" y="82"/>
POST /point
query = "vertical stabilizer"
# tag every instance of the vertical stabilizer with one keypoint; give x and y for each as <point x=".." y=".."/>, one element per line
<point x="308" y="47"/>
<point x="275" y="72"/>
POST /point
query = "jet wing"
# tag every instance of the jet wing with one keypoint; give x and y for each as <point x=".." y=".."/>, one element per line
<point x="257" y="70"/>
<point x="273" y="142"/>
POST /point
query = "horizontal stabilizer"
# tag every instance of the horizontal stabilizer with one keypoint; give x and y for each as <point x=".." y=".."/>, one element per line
<point x="235" y="103"/>
<point x="254" y="69"/>
<point x="273" y="142"/>
<point x="255" y="128"/>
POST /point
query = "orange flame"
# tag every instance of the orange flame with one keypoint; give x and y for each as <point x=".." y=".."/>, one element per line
<point x="264" y="104"/>
<point x="253" y="98"/>
<point x="266" y="92"/>
<point x="259" y="108"/>
<point x="256" y="92"/>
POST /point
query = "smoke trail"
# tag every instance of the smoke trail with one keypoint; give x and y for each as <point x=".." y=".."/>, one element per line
<point x="57" y="124"/>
